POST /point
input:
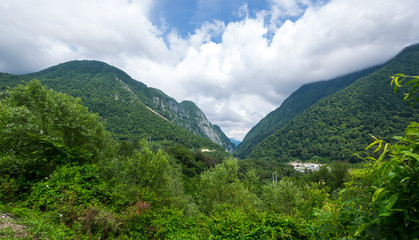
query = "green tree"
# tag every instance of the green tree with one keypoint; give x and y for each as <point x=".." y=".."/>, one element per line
<point x="150" y="176"/>
<point x="283" y="197"/>
<point x="339" y="174"/>
<point x="32" y="115"/>
<point x="190" y="165"/>
<point x="41" y="129"/>
<point x="222" y="185"/>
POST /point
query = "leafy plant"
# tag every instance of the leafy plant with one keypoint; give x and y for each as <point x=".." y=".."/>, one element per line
<point x="381" y="199"/>
<point x="41" y="130"/>
<point x="222" y="185"/>
<point x="399" y="81"/>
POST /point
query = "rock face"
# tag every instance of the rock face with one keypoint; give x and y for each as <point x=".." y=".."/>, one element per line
<point x="185" y="115"/>
<point x="15" y="230"/>
<point x="203" y="127"/>
<point x="188" y="116"/>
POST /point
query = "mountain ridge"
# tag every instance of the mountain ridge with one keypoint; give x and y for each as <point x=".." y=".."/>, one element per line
<point x="340" y="124"/>
<point x="115" y="96"/>
<point x="304" y="97"/>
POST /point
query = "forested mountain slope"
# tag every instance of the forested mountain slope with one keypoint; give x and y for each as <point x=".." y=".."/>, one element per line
<point x="200" y="125"/>
<point x="130" y="109"/>
<point x="188" y="116"/>
<point x="342" y="123"/>
<point x="295" y="104"/>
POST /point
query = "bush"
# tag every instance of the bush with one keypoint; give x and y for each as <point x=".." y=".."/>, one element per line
<point x="222" y="185"/>
<point x="69" y="190"/>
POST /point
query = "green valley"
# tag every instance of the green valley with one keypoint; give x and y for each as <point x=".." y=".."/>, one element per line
<point x="87" y="152"/>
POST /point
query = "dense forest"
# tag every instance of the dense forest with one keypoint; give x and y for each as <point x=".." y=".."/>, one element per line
<point x="295" y="104"/>
<point x="338" y="126"/>
<point x="65" y="177"/>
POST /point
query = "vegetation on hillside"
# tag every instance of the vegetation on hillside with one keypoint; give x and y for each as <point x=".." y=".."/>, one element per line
<point x="339" y="125"/>
<point x="120" y="100"/>
<point x="296" y="103"/>
<point x="64" y="177"/>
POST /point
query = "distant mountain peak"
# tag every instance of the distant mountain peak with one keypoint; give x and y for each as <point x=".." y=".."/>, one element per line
<point x="235" y="141"/>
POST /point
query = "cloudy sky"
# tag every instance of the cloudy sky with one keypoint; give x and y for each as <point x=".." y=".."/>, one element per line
<point x="236" y="59"/>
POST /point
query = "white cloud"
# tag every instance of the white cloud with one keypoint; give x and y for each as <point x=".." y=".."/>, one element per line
<point x="45" y="32"/>
<point x="236" y="81"/>
<point x="238" y="133"/>
<point x="343" y="36"/>
<point x="282" y="9"/>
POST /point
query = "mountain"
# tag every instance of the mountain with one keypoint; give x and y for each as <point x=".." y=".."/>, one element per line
<point x="199" y="124"/>
<point x="235" y="141"/>
<point x="341" y="123"/>
<point x="295" y="104"/>
<point x="130" y="108"/>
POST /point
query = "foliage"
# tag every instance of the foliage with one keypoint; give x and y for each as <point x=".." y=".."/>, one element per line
<point x="146" y="176"/>
<point x="123" y="102"/>
<point x="340" y="124"/>
<point x="34" y="119"/>
<point x="293" y="198"/>
<point x="333" y="175"/>
<point x="40" y="130"/>
<point x="295" y="104"/>
<point x="222" y="185"/>
<point x="231" y="223"/>
<point x="411" y="97"/>
<point x="66" y="187"/>
<point x="166" y="223"/>
<point x="394" y="178"/>
<point x="265" y="168"/>
<point x="380" y="201"/>
<point x="190" y="165"/>
<point x="75" y="194"/>
<point x="283" y="196"/>
<point x="38" y="225"/>
<point x="74" y="186"/>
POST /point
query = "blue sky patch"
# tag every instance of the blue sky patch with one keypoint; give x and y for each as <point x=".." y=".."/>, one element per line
<point x="185" y="16"/>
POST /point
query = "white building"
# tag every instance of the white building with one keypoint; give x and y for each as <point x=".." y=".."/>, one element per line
<point x="301" y="167"/>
